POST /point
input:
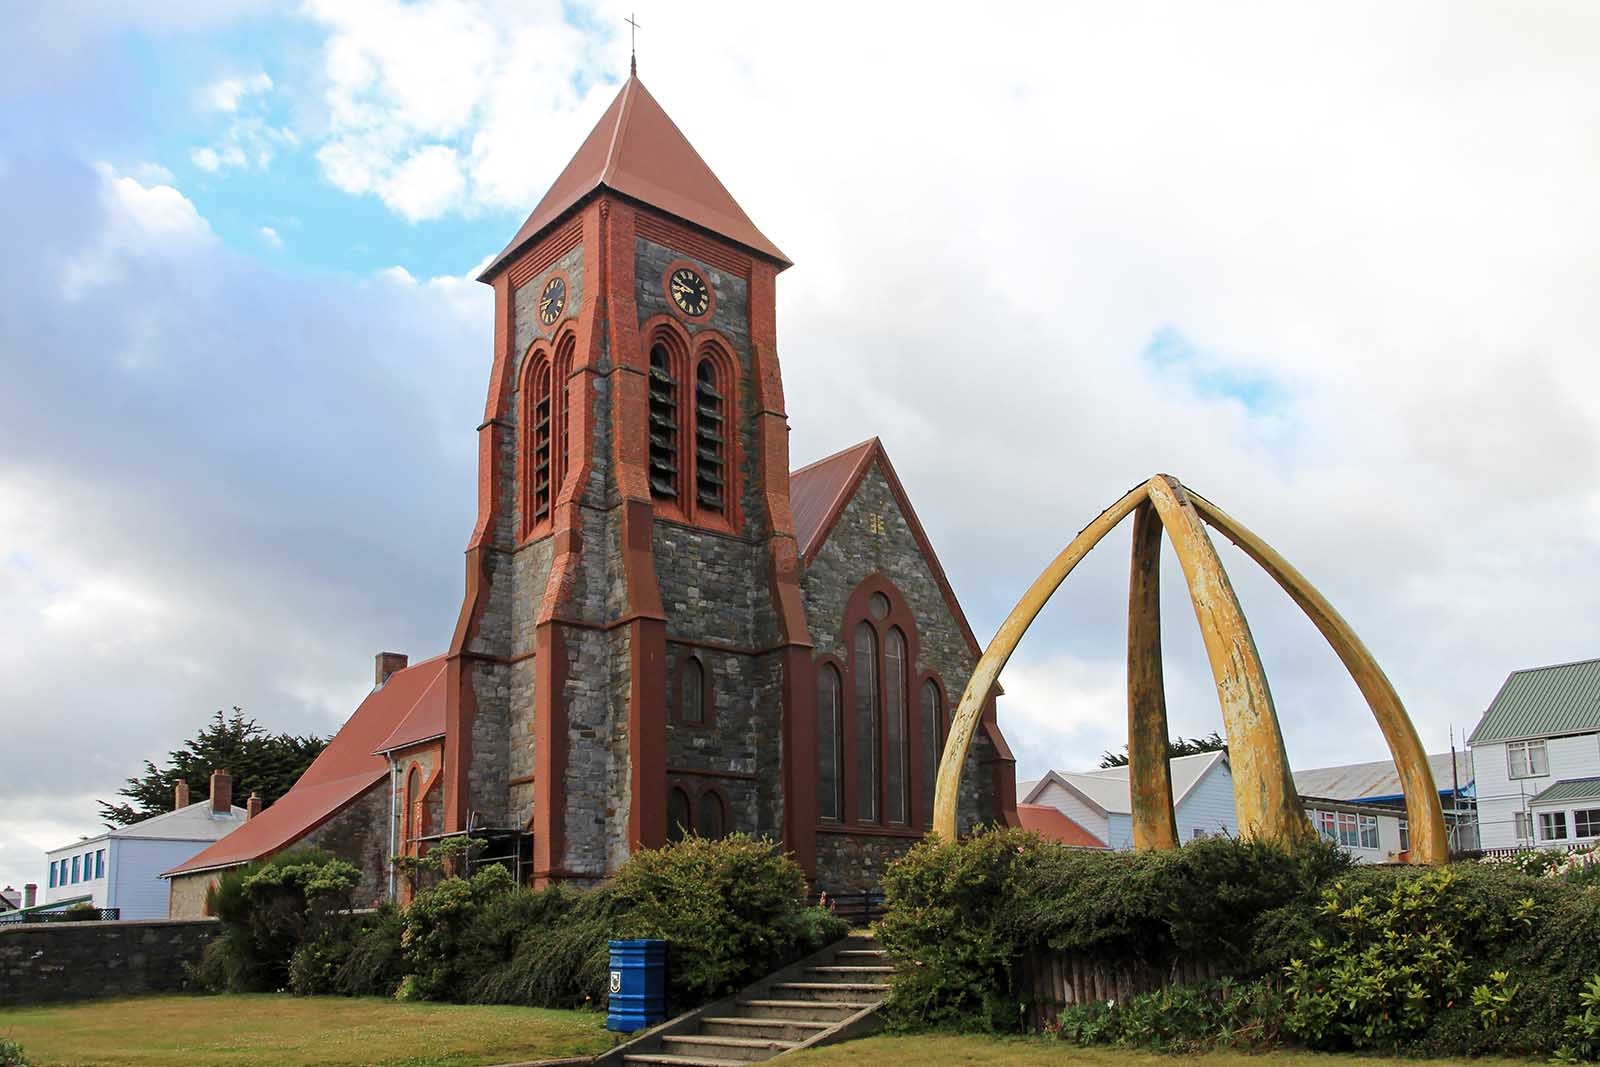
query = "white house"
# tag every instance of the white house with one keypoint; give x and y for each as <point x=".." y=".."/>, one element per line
<point x="122" y="868"/>
<point x="1536" y="759"/>
<point x="1361" y="806"/>
<point x="1101" y="802"/>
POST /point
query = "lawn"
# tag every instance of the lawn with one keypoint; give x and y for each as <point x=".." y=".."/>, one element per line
<point x="948" y="1051"/>
<point x="278" y="1030"/>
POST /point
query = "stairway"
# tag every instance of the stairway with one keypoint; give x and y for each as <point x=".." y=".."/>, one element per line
<point x="827" y="997"/>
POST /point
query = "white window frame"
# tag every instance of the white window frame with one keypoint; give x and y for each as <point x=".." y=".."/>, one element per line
<point x="1527" y="759"/>
<point x="1405" y="835"/>
<point x="1349" y="830"/>
<point x="1523" y="822"/>
<point x="1552" y="820"/>
<point x="1368" y="824"/>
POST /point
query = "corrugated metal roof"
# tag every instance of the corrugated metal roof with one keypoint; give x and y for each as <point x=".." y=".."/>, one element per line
<point x="1054" y="825"/>
<point x="1543" y="702"/>
<point x="1108" y="787"/>
<point x="1570" y="789"/>
<point x="817" y="491"/>
<point x="1378" y="779"/>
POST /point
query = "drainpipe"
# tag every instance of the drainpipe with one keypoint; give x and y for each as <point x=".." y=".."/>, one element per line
<point x="392" y="849"/>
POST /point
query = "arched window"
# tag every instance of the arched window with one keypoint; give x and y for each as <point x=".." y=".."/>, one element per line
<point x="829" y="777"/>
<point x="539" y="428"/>
<point x="932" y="745"/>
<point x="897" y="729"/>
<point x="709" y="819"/>
<point x="663" y="425"/>
<point x="561" y="416"/>
<point x="410" y="824"/>
<point x="710" y="432"/>
<point x="692" y="691"/>
<point x="677" y="814"/>
<point x="866" y="716"/>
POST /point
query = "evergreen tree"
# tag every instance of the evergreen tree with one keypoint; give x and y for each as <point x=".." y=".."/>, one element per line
<point x="261" y="763"/>
<point x="1176" y="746"/>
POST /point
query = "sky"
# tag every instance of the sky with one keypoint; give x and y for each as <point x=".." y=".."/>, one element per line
<point x="1334" y="265"/>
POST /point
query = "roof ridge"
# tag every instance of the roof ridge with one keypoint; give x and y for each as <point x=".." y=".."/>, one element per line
<point x="874" y="439"/>
<point x="1554" y="666"/>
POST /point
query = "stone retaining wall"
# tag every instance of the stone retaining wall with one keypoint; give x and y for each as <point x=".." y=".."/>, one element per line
<point x="80" y="961"/>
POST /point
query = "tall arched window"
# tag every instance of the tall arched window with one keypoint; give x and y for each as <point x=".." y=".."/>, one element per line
<point x="896" y="729"/>
<point x="932" y="745"/>
<point x="692" y="691"/>
<point x="539" y="444"/>
<point x="410" y="826"/>
<point x="829" y="696"/>
<point x="710" y="818"/>
<point x="866" y="716"/>
<point x="677" y="814"/>
<point x="560" y="416"/>
<point x="663" y="425"/>
<point x="710" y="432"/>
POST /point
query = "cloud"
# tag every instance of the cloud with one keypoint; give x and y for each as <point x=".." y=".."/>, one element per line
<point x="251" y="140"/>
<point x="426" y="185"/>
<point x="140" y="221"/>
<point x="270" y="238"/>
<point x="225" y="95"/>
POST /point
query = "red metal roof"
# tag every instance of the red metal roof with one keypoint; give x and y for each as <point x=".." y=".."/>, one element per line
<point x="348" y="767"/>
<point x="638" y="151"/>
<point x="425" y="719"/>
<point x="1053" y="825"/>
<point x="818" y="491"/>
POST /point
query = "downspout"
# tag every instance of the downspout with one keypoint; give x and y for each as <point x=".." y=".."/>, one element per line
<point x="392" y="849"/>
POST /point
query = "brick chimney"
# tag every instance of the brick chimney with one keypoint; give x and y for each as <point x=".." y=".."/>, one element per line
<point x="221" y="792"/>
<point x="252" y="807"/>
<point x="30" y="894"/>
<point x="387" y="663"/>
<point x="180" y="795"/>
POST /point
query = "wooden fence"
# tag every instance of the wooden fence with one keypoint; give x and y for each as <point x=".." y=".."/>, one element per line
<point x="1050" y="982"/>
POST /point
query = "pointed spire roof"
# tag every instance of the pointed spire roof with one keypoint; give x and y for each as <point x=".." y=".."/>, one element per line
<point x="637" y="151"/>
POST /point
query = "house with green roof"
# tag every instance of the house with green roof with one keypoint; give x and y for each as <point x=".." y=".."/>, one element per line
<point x="1536" y="759"/>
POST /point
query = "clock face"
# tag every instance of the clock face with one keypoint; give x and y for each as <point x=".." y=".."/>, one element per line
<point x="553" y="300"/>
<point x="689" y="291"/>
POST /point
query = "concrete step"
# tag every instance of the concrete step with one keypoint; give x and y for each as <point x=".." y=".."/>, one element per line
<point x="851" y="970"/>
<point x="869" y="991"/>
<point x="662" y="1059"/>
<point x="860" y="955"/>
<point x="737" y="1049"/>
<point x="771" y="1029"/>
<point x="817" y="1010"/>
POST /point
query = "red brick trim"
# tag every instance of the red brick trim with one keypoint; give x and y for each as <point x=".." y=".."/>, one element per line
<point x="549" y="752"/>
<point x="668" y="233"/>
<point x="557" y="243"/>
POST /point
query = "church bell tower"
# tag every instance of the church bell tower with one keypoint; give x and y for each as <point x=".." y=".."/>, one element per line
<point x="632" y="657"/>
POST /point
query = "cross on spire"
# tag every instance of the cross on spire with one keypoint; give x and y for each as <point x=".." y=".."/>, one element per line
<point x="633" y="45"/>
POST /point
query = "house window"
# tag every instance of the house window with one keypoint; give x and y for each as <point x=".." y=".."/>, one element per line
<point x="829" y="697"/>
<point x="1405" y="835"/>
<point x="692" y="691"/>
<point x="677" y="814"/>
<point x="710" y="434"/>
<point x="1553" y="825"/>
<point x="100" y="863"/>
<point x="663" y="426"/>
<point x="1349" y="835"/>
<point x="1198" y="834"/>
<point x="897" y="728"/>
<point x="1524" y="826"/>
<point x="1586" y="823"/>
<point x="866" y="709"/>
<point x="932" y="746"/>
<point x="708" y="821"/>
<point x="1527" y="759"/>
<point x="75" y="870"/>
<point x="1369" y="831"/>
<point x="52" y="874"/>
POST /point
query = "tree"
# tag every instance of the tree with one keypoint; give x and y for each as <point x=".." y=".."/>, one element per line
<point x="261" y="763"/>
<point x="1176" y="746"/>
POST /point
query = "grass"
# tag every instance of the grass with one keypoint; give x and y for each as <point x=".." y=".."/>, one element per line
<point x="939" y="1050"/>
<point x="272" y="1030"/>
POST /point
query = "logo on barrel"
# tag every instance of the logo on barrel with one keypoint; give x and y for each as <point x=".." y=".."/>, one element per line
<point x="616" y="981"/>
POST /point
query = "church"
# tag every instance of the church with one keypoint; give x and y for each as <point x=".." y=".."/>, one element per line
<point x="664" y="629"/>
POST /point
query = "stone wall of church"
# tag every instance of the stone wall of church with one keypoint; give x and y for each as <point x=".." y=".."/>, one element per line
<point x="359" y="833"/>
<point x="852" y="552"/>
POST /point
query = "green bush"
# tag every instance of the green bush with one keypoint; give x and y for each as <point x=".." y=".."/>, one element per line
<point x="1220" y="1014"/>
<point x="267" y="911"/>
<point x="960" y="918"/>
<point x="730" y="911"/>
<point x="11" y="1054"/>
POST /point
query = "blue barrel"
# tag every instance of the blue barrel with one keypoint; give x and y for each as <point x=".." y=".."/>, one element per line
<point x="638" y="984"/>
